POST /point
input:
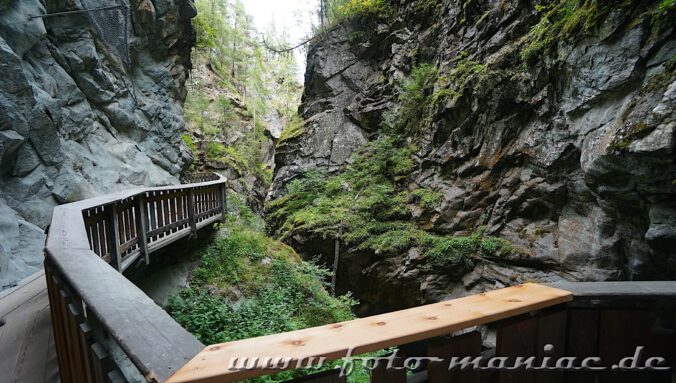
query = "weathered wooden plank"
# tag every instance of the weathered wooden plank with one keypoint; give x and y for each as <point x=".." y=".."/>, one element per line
<point x="192" y="213"/>
<point x="142" y="229"/>
<point x="516" y="337"/>
<point x="125" y="247"/>
<point x="152" y="209"/>
<point x="621" y="333"/>
<point x="114" y="241"/>
<point x="167" y="228"/>
<point x="154" y="342"/>
<point x="381" y="374"/>
<point x="208" y="214"/>
<point x="57" y="323"/>
<point x="551" y="343"/>
<point x="371" y="333"/>
<point x="461" y="346"/>
<point x="618" y="289"/>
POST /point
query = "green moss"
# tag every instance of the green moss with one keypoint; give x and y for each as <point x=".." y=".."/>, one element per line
<point x="561" y="21"/>
<point x="633" y="133"/>
<point x="568" y="20"/>
<point x="416" y="100"/>
<point x="453" y="249"/>
<point x="292" y="130"/>
<point x="426" y="198"/>
<point x="188" y="140"/>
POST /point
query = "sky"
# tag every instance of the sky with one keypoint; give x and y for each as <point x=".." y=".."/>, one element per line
<point x="295" y="17"/>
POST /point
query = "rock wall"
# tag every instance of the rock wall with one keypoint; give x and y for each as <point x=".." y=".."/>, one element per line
<point x="570" y="156"/>
<point x="75" y="121"/>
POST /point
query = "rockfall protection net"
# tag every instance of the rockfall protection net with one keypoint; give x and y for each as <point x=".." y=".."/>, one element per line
<point x="112" y="24"/>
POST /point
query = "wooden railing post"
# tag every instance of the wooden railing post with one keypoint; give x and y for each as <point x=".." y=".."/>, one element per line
<point x="192" y="216"/>
<point x="224" y="200"/>
<point x="142" y="227"/>
<point x="114" y="233"/>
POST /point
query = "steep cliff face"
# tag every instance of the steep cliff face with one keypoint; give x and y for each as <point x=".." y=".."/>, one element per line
<point x="76" y="121"/>
<point x="550" y="125"/>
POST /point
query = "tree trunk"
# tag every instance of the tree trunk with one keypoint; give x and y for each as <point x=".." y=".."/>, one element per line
<point x="336" y="259"/>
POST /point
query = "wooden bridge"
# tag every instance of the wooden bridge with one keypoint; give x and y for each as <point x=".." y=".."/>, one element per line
<point x="105" y="329"/>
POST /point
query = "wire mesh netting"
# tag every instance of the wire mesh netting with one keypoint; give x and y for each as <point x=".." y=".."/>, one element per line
<point x="112" y="24"/>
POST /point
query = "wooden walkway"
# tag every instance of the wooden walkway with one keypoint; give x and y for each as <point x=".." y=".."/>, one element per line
<point x="27" y="352"/>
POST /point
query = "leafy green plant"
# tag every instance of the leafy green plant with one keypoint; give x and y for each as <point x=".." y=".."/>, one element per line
<point x="248" y="285"/>
<point x="340" y="11"/>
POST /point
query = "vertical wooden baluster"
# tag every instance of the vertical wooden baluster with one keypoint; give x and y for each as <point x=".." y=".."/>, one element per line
<point x="122" y="227"/>
<point x="114" y="242"/>
<point x="167" y="214"/>
<point x="191" y="213"/>
<point x="142" y="229"/>
<point x="381" y="374"/>
<point x="57" y="322"/>
<point x="86" y="337"/>
<point x="132" y="222"/>
<point x="127" y="225"/>
<point x="160" y="212"/>
<point x="551" y="331"/>
<point x="582" y="341"/>
<point x="174" y="209"/>
<point x="153" y="212"/>
<point x="516" y="337"/>
<point x="179" y="207"/>
<point x="96" y="246"/>
<point x="224" y="201"/>
<point x="461" y="346"/>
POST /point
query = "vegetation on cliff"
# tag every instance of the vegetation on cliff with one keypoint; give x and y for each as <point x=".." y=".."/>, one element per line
<point x="236" y="89"/>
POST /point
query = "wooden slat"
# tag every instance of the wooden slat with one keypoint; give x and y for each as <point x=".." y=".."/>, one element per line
<point x="114" y="241"/>
<point x="142" y="228"/>
<point x="382" y="374"/>
<point x="582" y="341"/>
<point x="516" y="337"/>
<point x="461" y="346"/>
<point x="620" y="333"/>
<point x="551" y="330"/>
<point x="153" y="213"/>
<point x="191" y="212"/>
<point x="166" y="228"/>
<point x="371" y="333"/>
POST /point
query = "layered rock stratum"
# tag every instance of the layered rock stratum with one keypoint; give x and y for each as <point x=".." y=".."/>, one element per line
<point x="564" y="146"/>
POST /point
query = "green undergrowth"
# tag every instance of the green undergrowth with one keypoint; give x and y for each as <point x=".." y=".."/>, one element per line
<point x="358" y="12"/>
<point x="250" y="285"/>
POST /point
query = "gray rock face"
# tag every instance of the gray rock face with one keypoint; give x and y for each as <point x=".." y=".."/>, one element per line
<point x="570" y="158"/>
<point x="76" y="122"/>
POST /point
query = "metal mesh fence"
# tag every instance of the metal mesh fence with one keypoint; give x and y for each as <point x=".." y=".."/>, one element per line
<point x="112" y="24"/>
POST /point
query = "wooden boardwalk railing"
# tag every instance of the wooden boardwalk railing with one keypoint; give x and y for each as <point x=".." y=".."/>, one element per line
<point x="107" y="330"/>
<point x="100" y="319"/>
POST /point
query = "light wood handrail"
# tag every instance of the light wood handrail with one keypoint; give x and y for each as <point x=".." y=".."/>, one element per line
<point x="368" y="334"/>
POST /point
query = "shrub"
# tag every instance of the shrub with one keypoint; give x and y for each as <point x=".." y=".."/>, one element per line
<point x="340" y="11"/>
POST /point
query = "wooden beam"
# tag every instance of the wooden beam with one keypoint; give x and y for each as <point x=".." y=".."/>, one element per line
<point x="152" y="340"/>
<point x="114" y="234"/>
<point x="363" y="335"/>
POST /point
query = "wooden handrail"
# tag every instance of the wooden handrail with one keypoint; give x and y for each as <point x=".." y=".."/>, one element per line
<point x="373" y="333"/>
<point x="89" y="236"/>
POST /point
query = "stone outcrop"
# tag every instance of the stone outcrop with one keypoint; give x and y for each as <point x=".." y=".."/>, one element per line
<point x="75" y="121"/>
<point x="570" y="156"/>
